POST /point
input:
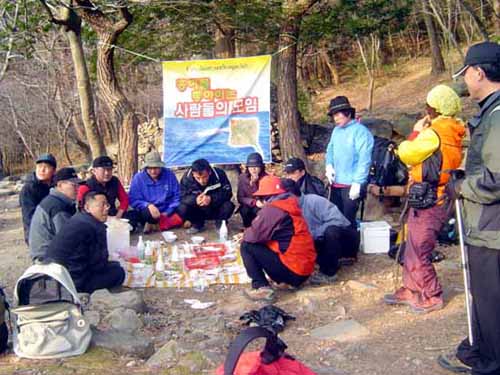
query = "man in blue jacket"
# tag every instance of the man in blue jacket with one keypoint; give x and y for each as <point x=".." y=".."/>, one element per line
<point x="155" y="194"/>
<point x="348" y="158"/>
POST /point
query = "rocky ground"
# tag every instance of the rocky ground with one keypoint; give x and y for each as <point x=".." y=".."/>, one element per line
<point x="341" y="328"/>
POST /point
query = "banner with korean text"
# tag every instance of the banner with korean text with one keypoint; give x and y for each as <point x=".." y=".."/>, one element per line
<point x="217" y="110"/>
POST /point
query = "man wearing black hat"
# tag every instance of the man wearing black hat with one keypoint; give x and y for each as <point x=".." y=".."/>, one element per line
<point x="103" y="181"/>
<point x="295" y="170"/>
<point x="53" y="212"/>
<point x="248" y="183"/>
<point x="36" y="188"/>
<point x="480" y="194"/>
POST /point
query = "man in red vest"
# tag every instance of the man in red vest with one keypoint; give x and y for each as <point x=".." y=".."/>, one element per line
<point x="278" y="243"/>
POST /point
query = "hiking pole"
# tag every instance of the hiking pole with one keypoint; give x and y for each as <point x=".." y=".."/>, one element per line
<point x="466" y="270"/>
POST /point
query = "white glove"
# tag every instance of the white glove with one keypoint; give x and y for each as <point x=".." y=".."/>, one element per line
<point x="330" y="173"/>
<point x="354" y="191"/>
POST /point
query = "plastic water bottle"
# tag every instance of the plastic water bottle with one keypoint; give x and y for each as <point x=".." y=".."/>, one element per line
<point x="140" y="248"/>
<point x="223" y="232"/>
<point x="148" y="252"/>
<point x="160" y="266"/>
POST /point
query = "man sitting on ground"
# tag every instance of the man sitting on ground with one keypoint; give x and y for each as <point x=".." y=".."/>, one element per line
<point x="295" y="170"/>
<point x="278" y="243"/>
<point x="155" y="195"/>
<point x="82" y="248"/>
<point x="53" y="212"/>
<point x="334" y="238"/>
<point x="206" y="195"/>
<point x="103" y="181"/>
<point x="35" y="189"/>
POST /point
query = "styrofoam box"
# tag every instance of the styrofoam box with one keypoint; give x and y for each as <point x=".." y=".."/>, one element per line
<point x="375" y="237"/>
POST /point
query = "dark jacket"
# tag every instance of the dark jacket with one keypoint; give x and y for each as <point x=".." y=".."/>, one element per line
<point x="310" y="184"/>
<point x="190" y="188"/>
<point x="113" y="190"/>
<point x="31" y="195"/>
<point x="50" y="215"/>
<point x="81" y="247"/>
<point x="246" y="190"/>
<point x="481" y="187"/>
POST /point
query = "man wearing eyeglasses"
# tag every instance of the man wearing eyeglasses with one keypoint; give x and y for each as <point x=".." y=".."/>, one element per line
<point x="81" y="247"/>
<point x="53" y="212"/>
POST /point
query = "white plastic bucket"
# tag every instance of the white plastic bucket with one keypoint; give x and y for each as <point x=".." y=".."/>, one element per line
<point x="375" y="237"/>
<point x="117" y="236"/>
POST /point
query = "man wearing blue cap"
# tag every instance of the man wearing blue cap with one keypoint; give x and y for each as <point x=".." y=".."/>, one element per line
<point x="480" y="194"/>
<point x="36" y="188"/>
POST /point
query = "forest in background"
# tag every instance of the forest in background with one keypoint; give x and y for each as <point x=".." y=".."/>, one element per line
<point x="77" y="75"/>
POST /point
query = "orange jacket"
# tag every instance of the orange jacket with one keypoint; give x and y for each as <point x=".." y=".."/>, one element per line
<point x="300" y="256"/>
<point x="434" y="150"/>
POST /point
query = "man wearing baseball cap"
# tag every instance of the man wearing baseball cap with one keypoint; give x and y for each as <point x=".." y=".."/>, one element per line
<point x="103" y="181"/>
<point x="295" y="169"/>
<point x="36" y="188"/>
<point x="480" y="195"/>
<point x="53" y="212"/>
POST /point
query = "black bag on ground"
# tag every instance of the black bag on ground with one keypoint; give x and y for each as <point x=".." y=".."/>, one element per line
<point x="386" y="168"/>
<point x="4" y="332"/>
<point x="270" y="317"/>
<point x="422" y="195"/>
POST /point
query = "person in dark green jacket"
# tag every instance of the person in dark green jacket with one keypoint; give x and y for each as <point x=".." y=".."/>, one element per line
<point x="480" y="193"/>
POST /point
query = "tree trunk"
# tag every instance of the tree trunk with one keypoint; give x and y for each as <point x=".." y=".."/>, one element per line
<point x="224" y="43"/>
<point x="446" y="29"/>
<point x="438" y="65"/>
<point x="94" y="138"/>
<point x="288" y="114"/>
<point x="109" y="89"/>
<point x="496" y="9"/>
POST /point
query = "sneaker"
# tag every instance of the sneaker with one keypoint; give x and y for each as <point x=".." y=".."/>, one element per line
<point x="431" y="304"/>
<point x="402" y="296"/>
<point x="194" y="230"/>
<point x="320" y="278"/>
<point x="264" y="293"/>
<point x="451" y="363"/>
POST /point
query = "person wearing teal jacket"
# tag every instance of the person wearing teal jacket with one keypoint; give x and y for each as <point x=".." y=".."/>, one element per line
<point x="348" y="158"/>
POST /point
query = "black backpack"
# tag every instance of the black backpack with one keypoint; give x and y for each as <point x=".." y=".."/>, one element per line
<point x="4" y="332"/>
<point x="386" y="168"/>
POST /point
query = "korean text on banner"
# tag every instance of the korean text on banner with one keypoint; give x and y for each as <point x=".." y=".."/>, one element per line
<point x="217" y="110"/>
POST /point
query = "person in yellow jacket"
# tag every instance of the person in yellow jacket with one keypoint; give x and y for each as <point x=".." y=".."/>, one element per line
<point x="434" y="147"/>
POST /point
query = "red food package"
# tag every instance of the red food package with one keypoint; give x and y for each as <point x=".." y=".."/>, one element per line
<point x="210" y="249"/>
<point x="202" y="262"/>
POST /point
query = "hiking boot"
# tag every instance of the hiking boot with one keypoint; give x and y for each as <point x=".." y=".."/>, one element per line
<point x="195" y="229"/>
<point x="424" y="307"/>
<point x="451" y="363"/>
<point x="264" y="293"/>
<point x="402" y="296"/>
<point x="318" y="278"/>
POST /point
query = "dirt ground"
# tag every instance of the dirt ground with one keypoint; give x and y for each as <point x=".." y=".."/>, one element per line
<point x="399" y="342"/>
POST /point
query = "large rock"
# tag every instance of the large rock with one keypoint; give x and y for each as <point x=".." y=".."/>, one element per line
<point x="124" y="320"/>
<point x="379" y="127"/>
<point x="341" y="331"/>
<point x="104" y="300"/>
<point x="166" y="356"/>
<point x="5" y="192"/>
<point x="9" y="203"/>
<point x="123" y="343"/>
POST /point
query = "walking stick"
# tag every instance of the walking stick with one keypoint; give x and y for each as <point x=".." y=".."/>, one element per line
<point x="466" y="270"/>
